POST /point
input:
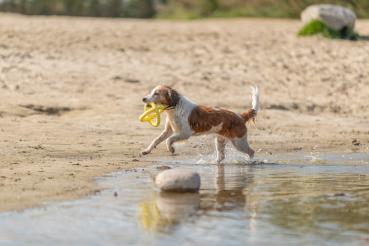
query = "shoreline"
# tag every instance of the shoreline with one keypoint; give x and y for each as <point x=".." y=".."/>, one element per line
<point x="91" y="187"/>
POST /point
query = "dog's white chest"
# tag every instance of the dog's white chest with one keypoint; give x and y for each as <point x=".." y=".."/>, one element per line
<point x="174" y="123"/>
<point x="178" y="118"/>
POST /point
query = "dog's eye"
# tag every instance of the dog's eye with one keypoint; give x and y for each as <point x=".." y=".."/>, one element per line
<point x="155" y="93"/>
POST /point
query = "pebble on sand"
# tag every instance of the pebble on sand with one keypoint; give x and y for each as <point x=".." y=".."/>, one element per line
<point x="178" y="180"/>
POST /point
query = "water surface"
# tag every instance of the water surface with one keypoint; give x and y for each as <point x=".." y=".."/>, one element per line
<point x="295" y="199"/>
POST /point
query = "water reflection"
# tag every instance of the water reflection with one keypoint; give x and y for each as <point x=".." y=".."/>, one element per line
<point x="165" y="210"/>
<point x="223" y="190"/>
<point x="228" y="192"/>
<point x="325" y="201"/>
<point x="323" y="204"/>
<point x="298" y="203"/>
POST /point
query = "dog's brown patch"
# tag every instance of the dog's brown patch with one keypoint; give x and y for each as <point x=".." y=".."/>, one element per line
<point x="168" y="96"/>
<point x="203" y="119"/>
<point x="248" y="115"/>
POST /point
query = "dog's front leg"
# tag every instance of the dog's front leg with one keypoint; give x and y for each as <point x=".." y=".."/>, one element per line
<point x="175" y="138"/>
<point x="164" y="135"/>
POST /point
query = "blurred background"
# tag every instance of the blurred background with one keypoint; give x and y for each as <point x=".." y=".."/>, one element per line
<point x="174" y="9"/>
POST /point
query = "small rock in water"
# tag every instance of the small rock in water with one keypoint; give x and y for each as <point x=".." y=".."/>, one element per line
<point x="178" y="180"/>
<point x="115" y="193"/>
<point x="334" y="16"/>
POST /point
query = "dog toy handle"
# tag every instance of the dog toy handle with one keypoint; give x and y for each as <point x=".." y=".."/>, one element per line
<point x="152" y="114"/>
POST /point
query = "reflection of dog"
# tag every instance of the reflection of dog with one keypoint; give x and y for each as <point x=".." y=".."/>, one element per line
<point x="186" y="118"/>
<point x="229" y="187"/>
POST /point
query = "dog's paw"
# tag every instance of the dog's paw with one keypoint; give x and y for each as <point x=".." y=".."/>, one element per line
<point x="145" y="152"/>
<point x="251" y="154"/>
<point x="171" y="149"/>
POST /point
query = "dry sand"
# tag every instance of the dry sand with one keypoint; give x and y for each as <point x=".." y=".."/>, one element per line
<point x="71" y="92"/>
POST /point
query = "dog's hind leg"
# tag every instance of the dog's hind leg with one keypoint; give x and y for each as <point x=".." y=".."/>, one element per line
<point x="220" y="144"/>
<point x="164" y="135"/>
<point x="242" y="145"/>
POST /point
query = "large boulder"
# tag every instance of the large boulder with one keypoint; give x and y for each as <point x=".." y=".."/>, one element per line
<point x="333" y="16"/>
<point x="178" y="180"/>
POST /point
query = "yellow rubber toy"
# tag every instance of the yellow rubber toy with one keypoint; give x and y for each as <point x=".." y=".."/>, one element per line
<point x="152" y="114"/>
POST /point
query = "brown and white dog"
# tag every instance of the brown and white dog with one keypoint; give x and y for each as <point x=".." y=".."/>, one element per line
<point x="186" y="118"/>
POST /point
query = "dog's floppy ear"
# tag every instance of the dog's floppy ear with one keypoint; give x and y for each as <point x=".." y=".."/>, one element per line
<point x="173" y="97"/>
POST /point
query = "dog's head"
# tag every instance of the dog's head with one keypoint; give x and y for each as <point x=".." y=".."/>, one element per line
<point x="163" y="94"/>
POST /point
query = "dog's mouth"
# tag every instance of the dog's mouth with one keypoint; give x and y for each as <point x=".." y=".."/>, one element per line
<point x="167" y="107"/>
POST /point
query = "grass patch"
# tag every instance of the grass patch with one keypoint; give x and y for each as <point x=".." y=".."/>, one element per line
<point x="316" y="27"/>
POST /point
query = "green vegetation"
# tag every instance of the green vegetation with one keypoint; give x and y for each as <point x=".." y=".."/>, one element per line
<point x="317" y="27"/>
<point x="99" y="8"/>
<point x="175" y="9"/>
<point x="191" y="9"/>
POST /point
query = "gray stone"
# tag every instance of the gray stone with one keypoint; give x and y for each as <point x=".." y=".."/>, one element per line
<point x="178" y="180"/>
<point x="334" y="16"/>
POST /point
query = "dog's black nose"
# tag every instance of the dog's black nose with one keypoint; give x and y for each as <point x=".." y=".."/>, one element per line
<point x="144" y="99"/>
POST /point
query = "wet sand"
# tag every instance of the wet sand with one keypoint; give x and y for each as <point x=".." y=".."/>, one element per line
<point x="71" y="92"/>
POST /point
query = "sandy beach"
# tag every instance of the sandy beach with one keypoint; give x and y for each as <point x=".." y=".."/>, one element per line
<point x="71" y="91"/>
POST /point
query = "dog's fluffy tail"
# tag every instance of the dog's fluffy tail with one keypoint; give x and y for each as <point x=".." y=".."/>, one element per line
<point x="251" y="113"/>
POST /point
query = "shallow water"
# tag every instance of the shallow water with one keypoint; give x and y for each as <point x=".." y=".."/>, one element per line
<point x="295" y="199"/>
